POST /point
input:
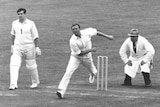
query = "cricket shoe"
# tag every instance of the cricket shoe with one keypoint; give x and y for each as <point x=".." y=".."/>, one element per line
<point x="59" y="95"/>
<point x="92" y="78"/>
<point x="126" y="84"/>
<point x="148" y="85"/>
<point x="34" y="85"/>
<point x="13" y="87"/>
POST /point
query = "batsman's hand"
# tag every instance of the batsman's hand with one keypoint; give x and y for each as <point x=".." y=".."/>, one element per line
<point x="129" y="63"/>
<point x="38" y="51"/>
<point x="12" y="46"/>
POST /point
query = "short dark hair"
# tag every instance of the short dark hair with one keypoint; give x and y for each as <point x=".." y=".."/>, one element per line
<point x="76" y="25"/>
<point x="22" y="9"/>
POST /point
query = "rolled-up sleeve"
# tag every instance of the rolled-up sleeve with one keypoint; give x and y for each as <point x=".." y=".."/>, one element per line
<point x="12" y="29"/>
<point x="34" y="31"/>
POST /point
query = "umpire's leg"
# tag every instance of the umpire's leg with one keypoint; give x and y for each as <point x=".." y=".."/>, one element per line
<point x="127" y="81"/>
<point x="145" y="69"/>
<point x="146" y="79"/>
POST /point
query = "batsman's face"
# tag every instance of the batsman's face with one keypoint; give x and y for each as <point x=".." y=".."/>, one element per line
<point x="76" y="30"/>
<point x="21" y="15"/>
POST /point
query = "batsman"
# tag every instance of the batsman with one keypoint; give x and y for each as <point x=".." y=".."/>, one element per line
<point x="24" y="38"/>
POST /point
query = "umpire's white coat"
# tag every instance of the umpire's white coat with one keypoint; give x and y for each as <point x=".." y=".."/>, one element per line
<point x="144" y="51"/>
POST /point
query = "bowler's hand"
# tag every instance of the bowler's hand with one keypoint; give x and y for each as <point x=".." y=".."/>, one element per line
<point x="142" y="62"/>
<point x="111" y="37"/>
<point x="94" y="49"/>
<point x="129" y="63"/>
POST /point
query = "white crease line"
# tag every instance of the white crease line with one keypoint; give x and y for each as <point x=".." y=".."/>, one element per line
<point x="136" y="92"/>
<point x="71" y="88"/>
<point x="97" y="94"/>
<point x="85" y="89"/>
<point x="1" y="94"/>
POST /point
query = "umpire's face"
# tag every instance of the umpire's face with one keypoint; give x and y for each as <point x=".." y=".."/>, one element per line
<point x="134" y="38"/>
<point x="76" y="30"/>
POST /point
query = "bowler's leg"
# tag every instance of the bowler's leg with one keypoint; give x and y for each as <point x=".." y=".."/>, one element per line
<point x="88" y="63"/>
<point x="72" y="66"/>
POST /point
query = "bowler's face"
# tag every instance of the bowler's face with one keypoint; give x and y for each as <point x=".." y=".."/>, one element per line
<point x="76" y="30"/>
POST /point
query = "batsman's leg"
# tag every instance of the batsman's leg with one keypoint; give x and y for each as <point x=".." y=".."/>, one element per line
<point x="15" y="63"/>
<point x="32" y="67"/>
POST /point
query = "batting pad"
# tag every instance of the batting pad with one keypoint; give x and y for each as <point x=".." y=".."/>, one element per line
<point x="31" y="64"/>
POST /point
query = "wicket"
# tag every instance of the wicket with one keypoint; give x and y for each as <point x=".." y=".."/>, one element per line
<point x="102" y="75"/>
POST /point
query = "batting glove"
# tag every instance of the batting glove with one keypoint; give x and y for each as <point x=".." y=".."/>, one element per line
<point x="38" y="51"/>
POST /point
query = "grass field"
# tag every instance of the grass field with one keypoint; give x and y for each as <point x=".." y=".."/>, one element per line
<point x="53" y="19"/>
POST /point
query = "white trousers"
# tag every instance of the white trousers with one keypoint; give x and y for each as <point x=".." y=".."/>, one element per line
<point x="72" y="66"/>
<point x="28" y="54"/>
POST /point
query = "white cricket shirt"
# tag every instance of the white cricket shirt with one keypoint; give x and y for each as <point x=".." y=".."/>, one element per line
<point x="25" y="32"/>
<point x="78" y="44"/>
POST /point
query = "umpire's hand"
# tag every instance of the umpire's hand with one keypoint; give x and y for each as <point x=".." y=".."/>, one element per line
<point x="142" y="62"/>
<point x="129" y="63"/>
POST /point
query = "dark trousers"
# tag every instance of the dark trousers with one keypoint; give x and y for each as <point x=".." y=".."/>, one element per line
<point x="128" y="80"/>
<point x="146" y="78"/>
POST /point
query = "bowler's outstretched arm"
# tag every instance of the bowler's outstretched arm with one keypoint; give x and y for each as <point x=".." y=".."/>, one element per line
<point x="111" y="37"/>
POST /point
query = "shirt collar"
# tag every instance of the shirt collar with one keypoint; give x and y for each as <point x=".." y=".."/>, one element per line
<point x="24" y="21"/>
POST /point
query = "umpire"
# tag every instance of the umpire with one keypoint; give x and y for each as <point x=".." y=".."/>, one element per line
<point x="140" y="58"/>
